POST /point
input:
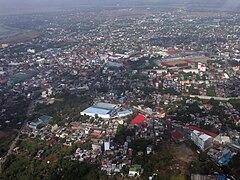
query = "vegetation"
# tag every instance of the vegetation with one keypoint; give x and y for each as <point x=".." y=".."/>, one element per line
<point x="66" y="107"/>
<point x="21" y="167"/>
<point x="51" y="165"/>
<point x="235" y="165"/>
<point x="6" y="137"/>
<point x="169" y="90"/>
<point x="211" y="91"/>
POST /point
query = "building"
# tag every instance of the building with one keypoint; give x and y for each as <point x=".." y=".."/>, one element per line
<point x="207" y="177"/>
<point x="138" y="120"/>
<point x="220" y="155"/>
<point x="45" y="119"/>
<point x="196" y="71"/>
<point x="97" y="147"/>
<point x="221" y="139"/>
<point x="177" y="136"/>
<point x="35" y="125"/>
<point x="102" y="110"/>
<point x="135" y="170"/>
<point x="125" y="113"/>
<point x="107" y="144"/>
<point x="202" y="140"/>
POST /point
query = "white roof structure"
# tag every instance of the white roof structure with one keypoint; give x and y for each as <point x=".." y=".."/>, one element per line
<point x="103" y="110"/>
<point x="204" y="137"/>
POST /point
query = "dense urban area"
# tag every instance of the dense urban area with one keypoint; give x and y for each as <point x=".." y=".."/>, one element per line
<point x="120" y="93"/>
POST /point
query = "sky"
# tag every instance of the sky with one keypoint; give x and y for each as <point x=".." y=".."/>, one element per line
<point x="14" y="6"/>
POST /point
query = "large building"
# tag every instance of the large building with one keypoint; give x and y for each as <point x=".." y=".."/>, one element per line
<point x="202" y="140"/>
<point x="103" y="110"/>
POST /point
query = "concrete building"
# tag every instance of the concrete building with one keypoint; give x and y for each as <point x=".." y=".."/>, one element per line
<point x="203" y="141"/>
<point x="107" y="144"/>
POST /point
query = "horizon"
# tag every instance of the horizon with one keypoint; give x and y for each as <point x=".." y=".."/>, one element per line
<point x="28" y="6"/>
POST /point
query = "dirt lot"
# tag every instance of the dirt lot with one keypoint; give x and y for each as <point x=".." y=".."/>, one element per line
<point x="183" y="155"/>
<point x="4" y="134"/>
<point x="20" y="37"/>
<point x="183" y="61"/>
<point x="6" y="137"/>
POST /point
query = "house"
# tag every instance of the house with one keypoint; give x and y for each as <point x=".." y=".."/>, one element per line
<point x="177" y="136"/>
<point x="220" y="139"/>
<point x="135" y="170"/>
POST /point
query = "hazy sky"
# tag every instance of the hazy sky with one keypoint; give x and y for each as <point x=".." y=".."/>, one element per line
<point x="13" y="6"/>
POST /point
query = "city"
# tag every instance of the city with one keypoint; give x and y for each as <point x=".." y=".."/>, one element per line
<point x="120" y="93"/>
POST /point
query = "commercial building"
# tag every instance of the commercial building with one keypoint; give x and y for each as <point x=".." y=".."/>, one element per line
<point x="203" y="141"/>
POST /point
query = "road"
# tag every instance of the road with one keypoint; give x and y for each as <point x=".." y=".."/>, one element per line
<point x="14" y="142"/>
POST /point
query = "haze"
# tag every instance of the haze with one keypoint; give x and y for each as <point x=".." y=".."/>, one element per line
<point x="24" y="6"/>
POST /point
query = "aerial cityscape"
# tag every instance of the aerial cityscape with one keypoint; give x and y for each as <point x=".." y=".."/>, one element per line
<point x="120" y="90"/>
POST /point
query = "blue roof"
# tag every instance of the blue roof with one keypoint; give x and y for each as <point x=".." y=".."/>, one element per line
<point x="223" y="161"/>
<point x="220" y="177"/>
<point x="36" y="123"/>
<point x="97" y="110"/>
<point x="44" y="118"/>
<point x="125" y="112"/>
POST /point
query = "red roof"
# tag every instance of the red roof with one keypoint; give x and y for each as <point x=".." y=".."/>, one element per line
<point x="139" y="119"/>
<point x="52" y="141"/>
<point x="202" y="130"/>
<point x="75" y="124"/>
<point x="96" y="133"/>
<point x="176" y="135"/>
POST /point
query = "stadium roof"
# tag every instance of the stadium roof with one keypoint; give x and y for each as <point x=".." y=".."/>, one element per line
<point x="105" y="105"/>
<point x="97" y="110"/>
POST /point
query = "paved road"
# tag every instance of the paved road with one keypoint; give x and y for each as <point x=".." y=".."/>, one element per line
<point x="14" y="142"/>
<point x="214" y="97"/>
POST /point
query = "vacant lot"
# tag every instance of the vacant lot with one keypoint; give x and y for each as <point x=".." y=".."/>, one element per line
<point x="182" y="157"/>
<point x="20" y="37"/>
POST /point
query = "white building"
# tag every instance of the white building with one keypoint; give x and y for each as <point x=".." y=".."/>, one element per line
<point x="31" y="51"/>
<point x="196" y="71"/>
<point x="97" y="147"/>
<point x="203" y="141"/>
<point x="106" y="145"/>
<point x="202" y="67"/>
<point x="102" y="110"/>
<point x="135" y="170"/>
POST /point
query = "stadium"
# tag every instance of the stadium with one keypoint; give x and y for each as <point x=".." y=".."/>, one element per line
<point x="101" y="109"/>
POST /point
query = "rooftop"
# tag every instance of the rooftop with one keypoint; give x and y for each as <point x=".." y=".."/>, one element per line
<point x="139" y="119"/>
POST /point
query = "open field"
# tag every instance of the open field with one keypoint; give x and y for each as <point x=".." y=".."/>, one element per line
<point x="182" y="156"/>
<point x="6" y="134"/>
<point x="173" y="62"/>
<point x="19" y="37"/>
